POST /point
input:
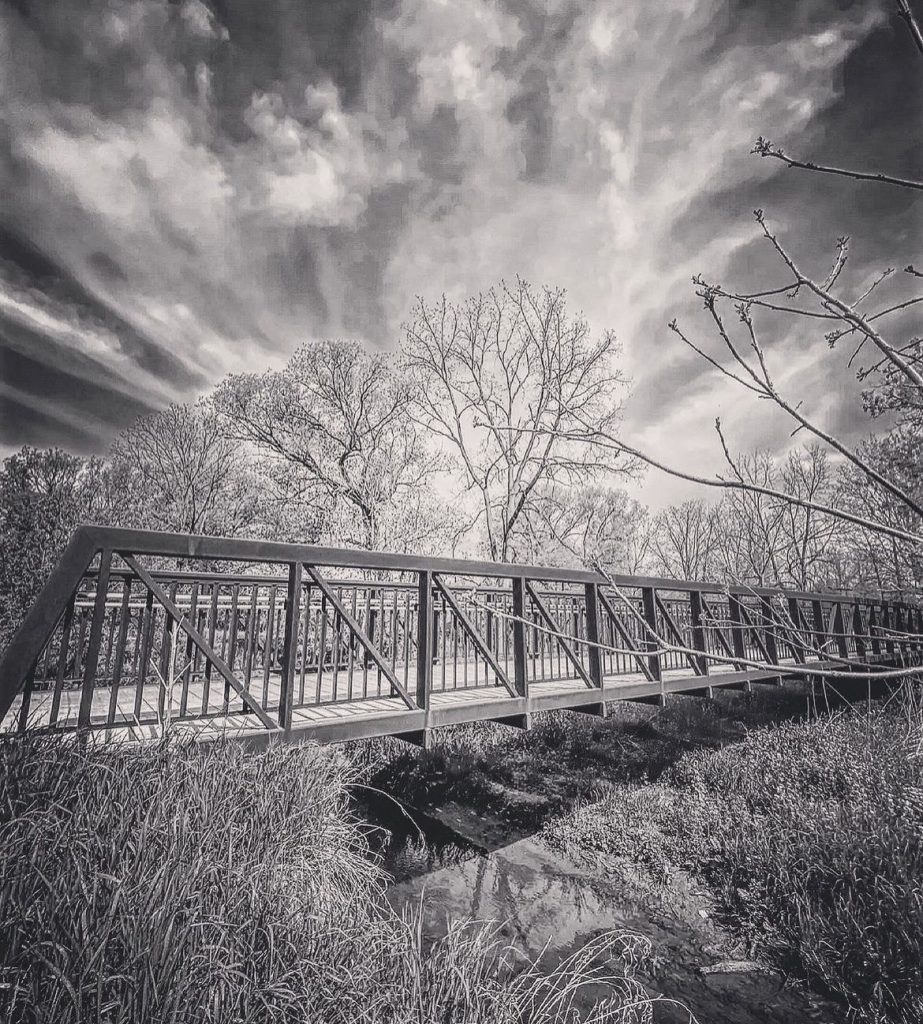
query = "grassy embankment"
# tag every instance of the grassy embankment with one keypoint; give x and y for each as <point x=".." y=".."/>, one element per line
<point x="809" y="832"/>
<point x="215" y="885"/>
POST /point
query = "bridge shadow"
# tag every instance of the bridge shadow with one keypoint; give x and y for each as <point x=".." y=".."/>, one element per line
<point x="478" y="788"/>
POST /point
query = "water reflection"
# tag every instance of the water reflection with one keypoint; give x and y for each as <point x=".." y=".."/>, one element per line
<point x="551" y="903"/>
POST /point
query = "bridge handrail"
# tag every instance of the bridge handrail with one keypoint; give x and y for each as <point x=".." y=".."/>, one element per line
<point x="90" y="541"/>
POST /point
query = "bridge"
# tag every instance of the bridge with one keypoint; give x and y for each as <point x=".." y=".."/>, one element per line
<point x="136" y="633"/>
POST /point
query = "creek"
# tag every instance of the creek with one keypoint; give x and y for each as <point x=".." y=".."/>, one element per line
<point x="461" y="866"/>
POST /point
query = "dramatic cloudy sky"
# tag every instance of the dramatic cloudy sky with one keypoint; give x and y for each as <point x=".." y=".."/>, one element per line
<point x="193" y="188"/>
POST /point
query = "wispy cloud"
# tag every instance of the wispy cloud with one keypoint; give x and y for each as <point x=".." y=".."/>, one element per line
<point x="193" y="189"/>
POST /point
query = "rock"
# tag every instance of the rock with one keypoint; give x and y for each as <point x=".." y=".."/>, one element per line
<point x="735" y="967"/>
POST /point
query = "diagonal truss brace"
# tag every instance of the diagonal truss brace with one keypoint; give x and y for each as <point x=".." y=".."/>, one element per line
<point x="360" y="635"/>
<point x="719" y="634"/>
<point x="565" y="646"/>
<point x="486" y="653"/>
<point x="680" y="639"/>
<point x="626" y="637"/>
<point x="196" y="637"/>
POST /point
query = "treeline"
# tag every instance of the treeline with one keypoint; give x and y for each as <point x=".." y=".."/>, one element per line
<point x="470" y="439"/>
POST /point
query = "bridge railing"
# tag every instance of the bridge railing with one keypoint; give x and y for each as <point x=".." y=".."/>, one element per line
<point x="136" y="628"/>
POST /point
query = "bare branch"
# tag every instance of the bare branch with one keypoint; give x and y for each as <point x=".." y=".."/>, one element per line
<point x="765" y="148"/>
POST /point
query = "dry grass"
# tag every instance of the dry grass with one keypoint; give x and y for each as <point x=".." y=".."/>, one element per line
<point x="184" y="884"/>
<point x="811" y="835"/>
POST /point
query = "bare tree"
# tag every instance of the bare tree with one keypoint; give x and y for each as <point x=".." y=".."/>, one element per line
<point x="176" y="470"/>
<point x="575" y="526"/>
<point x="684" y="541"/>
<point x="336" y="419"/>
<point x="891" y="508"/>
<point x="499" y="380"/>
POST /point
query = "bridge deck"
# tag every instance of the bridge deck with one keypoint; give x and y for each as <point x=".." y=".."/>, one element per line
<point x="375" y="715"/>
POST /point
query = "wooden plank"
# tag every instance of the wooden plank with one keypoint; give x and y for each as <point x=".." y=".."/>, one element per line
<point x="478" y="642"/>
<point x="360" y="635"/>
<point x="198" y="640"/>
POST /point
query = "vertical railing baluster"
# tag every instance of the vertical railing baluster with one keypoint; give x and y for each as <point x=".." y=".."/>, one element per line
<point x="212" y="626"/>
<point x="425" y="638"/>
<point x="96" y="635"/>
<point x="874" y="635"/>
<point x="290" y="644"/>
<point x="26" y="700"/>
<point x="270" y="640"/>
<point x="191" y="651"/>
<point x="124" y="618"/>
<point x="146" y="639"/>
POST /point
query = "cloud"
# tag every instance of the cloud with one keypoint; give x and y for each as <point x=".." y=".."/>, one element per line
<point x="211" y="184"/>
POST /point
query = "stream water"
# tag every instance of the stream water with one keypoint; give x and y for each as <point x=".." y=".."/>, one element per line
<point x="551" y="904"/>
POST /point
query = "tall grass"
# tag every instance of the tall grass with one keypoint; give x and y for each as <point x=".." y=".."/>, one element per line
<point x="178" y="883"/>
<point x="811" y="835"/>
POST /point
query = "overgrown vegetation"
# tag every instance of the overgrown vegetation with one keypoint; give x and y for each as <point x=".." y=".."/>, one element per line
<point x="524" y="779"/>
<point x="811" y="837"/>
<point x="168" y="883"/>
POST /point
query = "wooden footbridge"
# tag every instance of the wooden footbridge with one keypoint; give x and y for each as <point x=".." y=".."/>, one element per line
<point x="136" y="633"/>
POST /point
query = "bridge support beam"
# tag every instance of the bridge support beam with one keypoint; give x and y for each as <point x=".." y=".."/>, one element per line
<point x="523" y="722"/>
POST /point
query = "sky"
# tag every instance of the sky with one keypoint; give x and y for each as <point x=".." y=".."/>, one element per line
<point x="194" y="188"/>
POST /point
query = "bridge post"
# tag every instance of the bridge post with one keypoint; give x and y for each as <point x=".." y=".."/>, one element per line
<point x="769" y="632"/>
<point x="874" y="637"/>
<point x="520" y="667"/>
<point x="839" y="630"/>
<point x="96" y="636"/>
<point x="737" y="632"/>
<point x="595" y="655"/>
<point x="886" y="624"/>
<point x="425" y="633"/>
<point x="698" y="632"/>
<point x="649" y="606"/>
<point x="820" y="629"/>
<point x="858" y="629"/>
<point x="290" y="644"/>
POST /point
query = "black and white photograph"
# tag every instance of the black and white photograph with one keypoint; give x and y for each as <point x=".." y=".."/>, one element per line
<point x="461" y="512"/>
